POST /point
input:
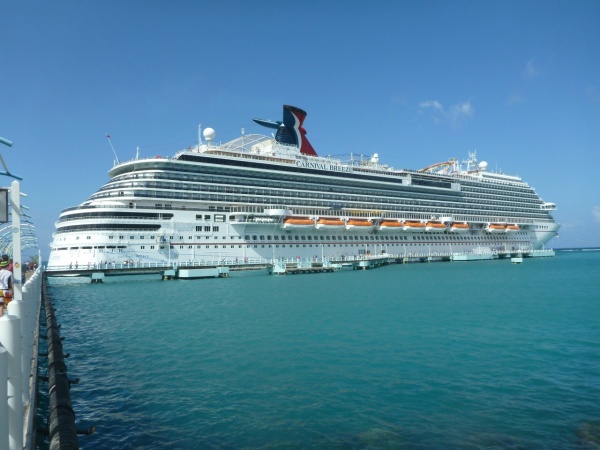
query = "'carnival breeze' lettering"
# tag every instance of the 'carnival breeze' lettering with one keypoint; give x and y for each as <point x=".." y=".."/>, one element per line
<point x="323" y="166"/>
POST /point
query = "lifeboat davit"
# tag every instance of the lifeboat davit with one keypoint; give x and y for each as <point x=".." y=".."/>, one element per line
<point x="512" y="228"/>
<point x="411" y="225"/>
<point x="297" y="222"/>
<point x="359" y="224"/>
<point x="496" y="228"/>
<point x="390" y="225"/>
<point x="437" y="227"/>
<point x="330" y="224"/>
<point x="459" y="227"/>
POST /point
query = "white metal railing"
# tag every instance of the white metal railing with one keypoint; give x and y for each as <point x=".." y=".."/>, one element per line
<point x="19" y="332"/>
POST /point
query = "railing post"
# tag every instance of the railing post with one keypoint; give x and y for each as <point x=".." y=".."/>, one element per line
<point x="15" y="204"/>
<point x="10" y="338"/>
<point x="3" y="398"/>
<point x="18" y="309"/>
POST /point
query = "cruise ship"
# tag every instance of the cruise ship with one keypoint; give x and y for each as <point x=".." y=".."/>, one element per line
<point x="262" y="197"/>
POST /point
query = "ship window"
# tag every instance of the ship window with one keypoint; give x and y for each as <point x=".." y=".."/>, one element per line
<point x="120" y="237"/>
<point x="142" y="247"/>
<point x="247" y="237"/>
<point x="207" y="217"/>
<point x="131" y="237"/>
<point x="219" y="217"/>
<point x="289" y="238"/>
<point x="254" y="237"/>
<point x="215" y="229"/>
<point x="262" y="238"/>
<point x="206" y="228"/>
<point x="198" y="216"/>
<point x="297" y="238"/>
<point x="110" y="237"/>
<point x="310" y="238"/>
<point x="152" y="247"/>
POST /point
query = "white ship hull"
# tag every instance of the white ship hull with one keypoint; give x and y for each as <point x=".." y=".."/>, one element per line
<point x="258" y="199"/>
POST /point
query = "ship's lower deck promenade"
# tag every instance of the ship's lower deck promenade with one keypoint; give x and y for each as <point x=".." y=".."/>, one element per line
<point x="222" y="267"/>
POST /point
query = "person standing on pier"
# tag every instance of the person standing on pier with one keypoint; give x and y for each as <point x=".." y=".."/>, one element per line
<point x="5" y="285"/>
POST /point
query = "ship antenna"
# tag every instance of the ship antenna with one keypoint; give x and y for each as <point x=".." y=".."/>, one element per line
<point x="111" y="146"/>
<point x="199" y="136"/>
<point x="137" y="154"/>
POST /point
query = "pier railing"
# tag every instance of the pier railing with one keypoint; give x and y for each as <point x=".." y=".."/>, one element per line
<point x="19" y="332"/>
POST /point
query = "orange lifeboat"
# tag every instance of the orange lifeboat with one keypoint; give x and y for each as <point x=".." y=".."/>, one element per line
<point x="459" y="227"/>
<point x="512" y="228"/>
<point x="496" y="228"/>
<point x="437" y="227"/>
<point x="412" y="225"/>
<point x="330" y="223"/>
<point x="359" y="224"/>
<point x="390" y="225"/>
<point x="297" y="222"/>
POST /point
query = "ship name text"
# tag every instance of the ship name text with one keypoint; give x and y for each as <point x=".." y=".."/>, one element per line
<point x="323" y="166"/>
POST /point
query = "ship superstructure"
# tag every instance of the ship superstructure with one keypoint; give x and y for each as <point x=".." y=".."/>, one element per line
<point x="274" y="197"/>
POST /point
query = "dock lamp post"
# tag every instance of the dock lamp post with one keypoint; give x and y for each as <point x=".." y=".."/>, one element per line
<point x="15" y="205"/>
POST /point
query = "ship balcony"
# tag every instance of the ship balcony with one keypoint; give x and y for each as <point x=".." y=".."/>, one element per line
<point x="548" y="206"/>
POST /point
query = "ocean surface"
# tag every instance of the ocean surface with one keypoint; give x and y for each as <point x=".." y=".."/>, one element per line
<point x="462" y="355"/>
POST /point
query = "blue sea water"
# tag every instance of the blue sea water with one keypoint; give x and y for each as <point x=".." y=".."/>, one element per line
<point x="464" y="355"/>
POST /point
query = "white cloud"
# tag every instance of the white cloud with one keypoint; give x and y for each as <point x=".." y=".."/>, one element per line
<point x="461" y="111"/>
<point x="530" y="70"/>
<point x="596" y="213"/>
<point x="455" y="114"/>
<point x="514" y="99"/>
<point x="431" y="104"/>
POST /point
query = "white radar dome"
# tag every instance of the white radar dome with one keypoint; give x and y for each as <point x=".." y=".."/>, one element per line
<point x="209" y="134"/>
<point x="483" y="165"/>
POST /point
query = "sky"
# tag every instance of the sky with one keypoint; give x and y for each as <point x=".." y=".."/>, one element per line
<point x="417" y="82"/>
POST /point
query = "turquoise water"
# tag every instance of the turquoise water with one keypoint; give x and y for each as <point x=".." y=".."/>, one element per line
<point x="465" y="355"/>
